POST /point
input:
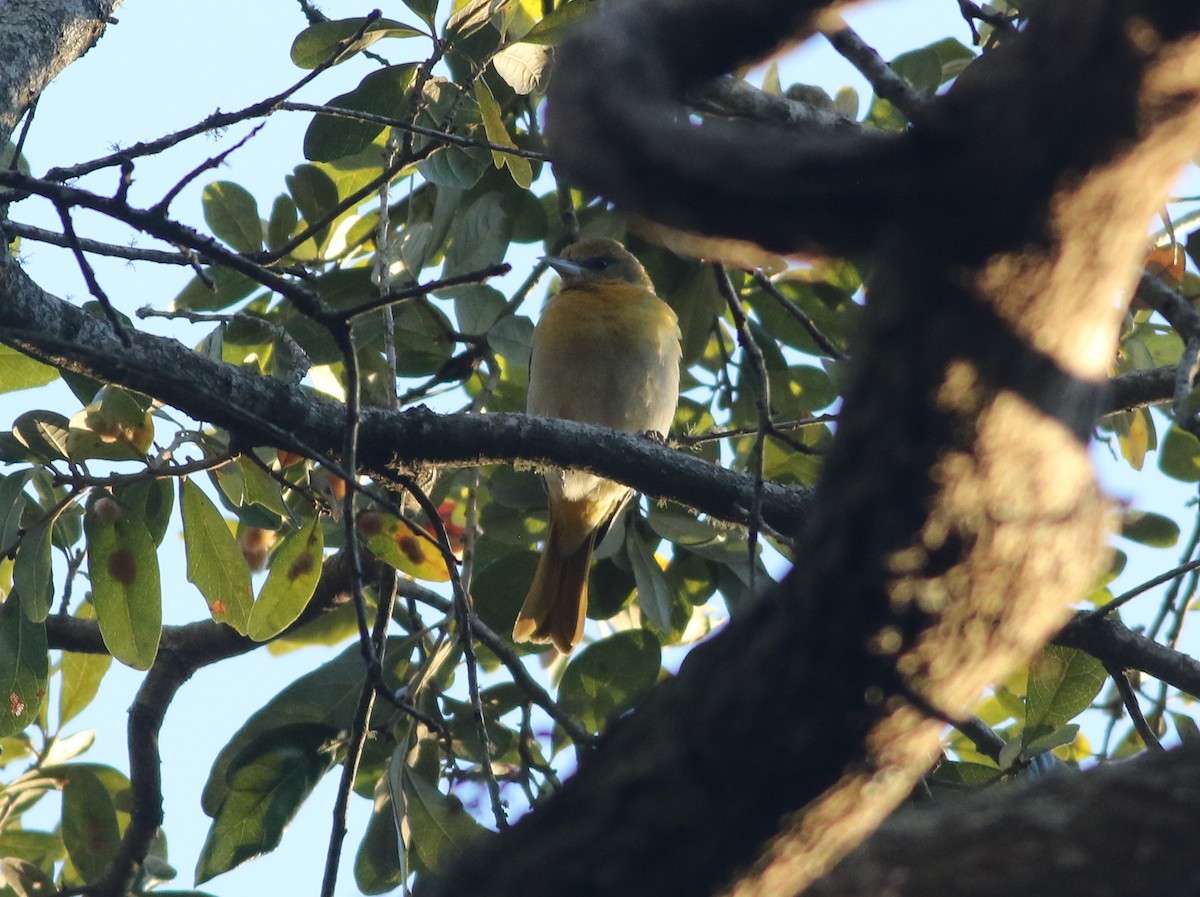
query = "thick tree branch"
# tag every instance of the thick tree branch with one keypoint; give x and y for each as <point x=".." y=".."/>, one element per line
<point x="265" y="411"/>
<point x="626" y="75"/>
<point x="39" y="40"/>
<point x="958" y="513"/>
<point x="1053" y="836"/>
<point x="1113" y="642"/>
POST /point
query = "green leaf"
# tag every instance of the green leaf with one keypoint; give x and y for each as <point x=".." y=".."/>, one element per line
<point x="439" y="827"/>
<point x="267" y="783"/>
<point x="315" y="194"/>
<point x="89" y="822"/>
<point x="1062" y="683"/>
<point x="42" y="848"/>
<point x="19" y="371"/>
<point x="126" y="590"/>
<point x="551" y="29"/>
<point x="155" y="499"/>
<point x="497" y="133"/>
<point x="81" y="675"/>
<point x="283" y="221"/>
<point x="1057" y="738"/>
<point x="24" y="668"/>
<point x="228" y="286"/>
<point x="215" y="563"/>
<point x="116" y="426"/>
<point x="12" y="505"/>
<point x="232" y="214"/>
<point x="377" y="865"/>
<point x="1179" y="457"/>
<point x="454" y="167"/>
<point x="33" y="574"/>
<point x="654" y="594"/>
<point x="295" y="570"/>
<point x="480" y="237"/>
<point x="1148" y="528"/>
<point x="383" y="92"/>
<point x="44" y="433"/>
<point x="606" y="677"/>
<point x="524" y="66"/>
<point x="326" y="697"/>
<point x="425" y="9"/>
<point x="24" y="878"/>
<point x="317" y="44"/>
<point x="468" y="17"/>
<point x="262" y="489"/>
<point x="476" y="306"/>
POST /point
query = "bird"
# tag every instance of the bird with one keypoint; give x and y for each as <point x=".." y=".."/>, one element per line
<point x="606" y="350"/>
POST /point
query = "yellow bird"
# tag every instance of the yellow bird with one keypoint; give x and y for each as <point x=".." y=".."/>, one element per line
<point x="606" y="351"/>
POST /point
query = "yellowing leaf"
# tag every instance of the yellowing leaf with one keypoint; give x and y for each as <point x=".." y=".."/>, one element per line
<point x="397" y="544"/>
<point x="493" y="125"/>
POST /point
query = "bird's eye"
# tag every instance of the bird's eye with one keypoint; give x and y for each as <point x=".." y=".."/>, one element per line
<point x="597" y="264"/>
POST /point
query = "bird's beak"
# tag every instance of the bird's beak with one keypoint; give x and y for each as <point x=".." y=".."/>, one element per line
<point x="565" y="267"/>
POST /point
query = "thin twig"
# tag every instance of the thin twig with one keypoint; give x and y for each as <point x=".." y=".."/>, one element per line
<point x="420" y="130"/>
<point x="30" y="111"/>
<point x="214" y="122"/>
<point x="395" y="296"/>
<point x="465" y="619"/>
<point x="690" y="439"/>
<point x="214" y="162"/>
<point x="762" y="397"/>
<point x="1129" y="699"/>
<point x="824" y="343"/>
<point x="39" y="235"/>
<point x="1125" y="598"/>
<point x="89" y="275"/>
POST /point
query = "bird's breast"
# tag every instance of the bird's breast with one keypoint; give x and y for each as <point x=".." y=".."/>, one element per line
<point x="608" y="355"/>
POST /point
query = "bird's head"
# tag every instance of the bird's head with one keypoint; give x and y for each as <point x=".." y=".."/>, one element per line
<point x="598" y="260"/>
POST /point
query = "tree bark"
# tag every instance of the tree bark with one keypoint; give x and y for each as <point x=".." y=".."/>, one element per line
<point x="957" y="514"/>
<point x="1121" y="830"/>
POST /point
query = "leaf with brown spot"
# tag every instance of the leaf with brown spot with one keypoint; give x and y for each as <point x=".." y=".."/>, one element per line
<point x="24" y="667"/>
<point x="295" y="570"/>
<point x="397" y="544"/>
<point x="127" y="593"/>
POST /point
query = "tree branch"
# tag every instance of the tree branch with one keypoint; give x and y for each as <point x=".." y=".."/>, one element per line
<point x="265" y="411"/>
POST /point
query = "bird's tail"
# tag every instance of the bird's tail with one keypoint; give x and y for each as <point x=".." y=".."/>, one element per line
<point x="557" y="601"/>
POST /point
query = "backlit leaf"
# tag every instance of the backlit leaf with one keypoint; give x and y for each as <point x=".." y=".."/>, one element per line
<point x="267" y="783"/>
<point x="228" y="286"/>
<point x="19" y="371"/>
<point x="1062" y="683"/>
<point x="1148" y="528"/>
<point x="295" y="571"/>
<point x="326" y="697"/>
<point x="317" y="44"/>
<point x="215" y="563"/>
<point x="232" y="213"/>
<point x="397" y="544"/>
<point x="123" y="565"/>
<point x="89" y="822"/>
<point x="81" y="675"/>
<point x="607" y="676"/>
<point x="33" y="574"/>
<point x="497" y="133"/>
<point x="24" y="667"/>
